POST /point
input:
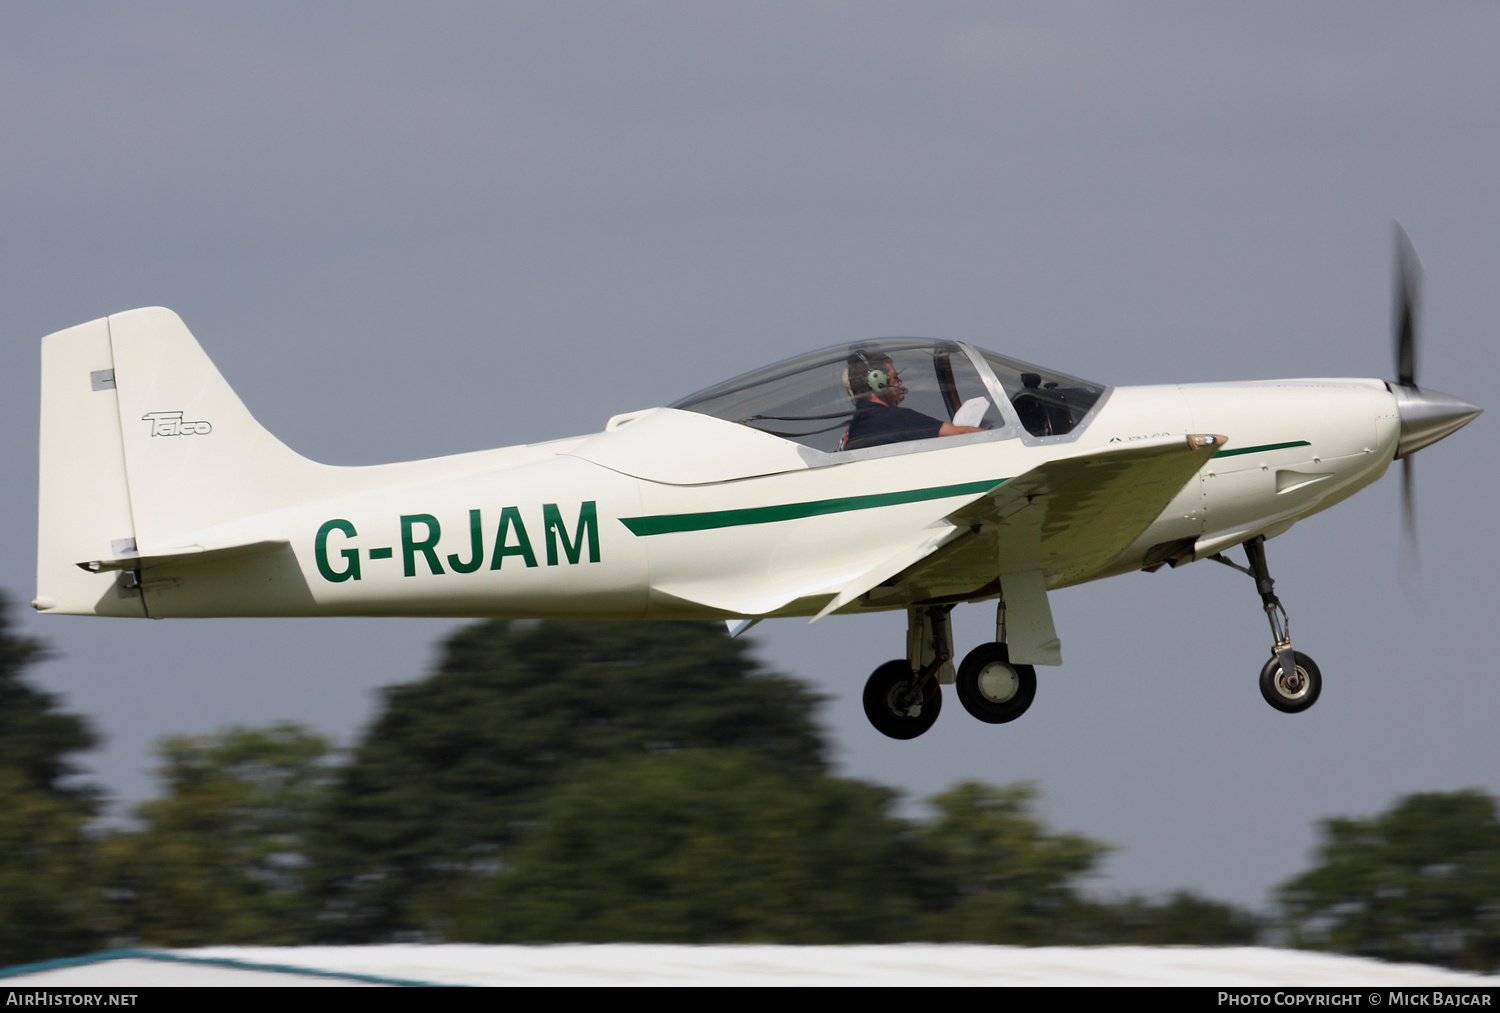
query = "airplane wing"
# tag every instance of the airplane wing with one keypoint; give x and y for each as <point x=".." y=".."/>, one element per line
<point x="1066" y="518"/>
<point x="1072" y="516"/>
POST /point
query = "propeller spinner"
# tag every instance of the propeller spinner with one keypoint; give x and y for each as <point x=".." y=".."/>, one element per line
<point x="1426" y="415"/>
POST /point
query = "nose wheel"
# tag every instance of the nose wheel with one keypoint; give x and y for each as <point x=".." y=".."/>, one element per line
<point x="1290" y="681"/>
<point x="1291" y="693"/>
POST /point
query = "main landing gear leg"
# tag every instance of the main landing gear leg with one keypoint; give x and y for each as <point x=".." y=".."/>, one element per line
<point x="1293" y="692"/>
<point x="903" y="697"/>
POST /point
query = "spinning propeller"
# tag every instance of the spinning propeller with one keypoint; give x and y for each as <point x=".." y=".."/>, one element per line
<point x="1426" y="416"/>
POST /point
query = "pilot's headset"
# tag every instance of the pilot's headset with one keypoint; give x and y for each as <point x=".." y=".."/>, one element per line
<point x="874" y="378"/>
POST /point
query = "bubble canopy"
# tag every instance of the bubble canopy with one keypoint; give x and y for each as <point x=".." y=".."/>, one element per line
<point x="811" y="399"/>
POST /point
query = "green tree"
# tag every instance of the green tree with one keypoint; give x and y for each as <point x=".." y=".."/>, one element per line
<point x="1010" y="879"/>
<point x="702" y="846"/>
<point x="1419" y="882"/>
<point x="220" y="859"/>
<point x="36" y="738"/>
<point x="456" y="767"/>
<point x="1181" y="919"/>
<point x="49" y="901"/>
<point x="50" y="904"/>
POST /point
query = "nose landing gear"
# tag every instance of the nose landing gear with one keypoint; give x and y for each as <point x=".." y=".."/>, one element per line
<point x="1290" y="681"/>
<point x="1294" y="693"/>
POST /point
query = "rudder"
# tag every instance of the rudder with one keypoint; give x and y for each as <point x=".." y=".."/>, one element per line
<point x="83" y="501"/>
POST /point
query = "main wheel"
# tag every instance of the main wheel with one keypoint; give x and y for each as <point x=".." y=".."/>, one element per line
<point x="888" y="707"/>
<point x="1293" y="694"/>
<point x="991" y="688"/>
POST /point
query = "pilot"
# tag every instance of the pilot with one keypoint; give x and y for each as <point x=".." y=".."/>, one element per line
<point x="879" y="419"/>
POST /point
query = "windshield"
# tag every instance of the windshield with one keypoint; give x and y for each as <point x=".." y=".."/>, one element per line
<point x="1047" y="403"/>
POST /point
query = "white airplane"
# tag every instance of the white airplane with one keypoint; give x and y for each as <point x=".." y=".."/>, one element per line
<point x="898" y="473"/>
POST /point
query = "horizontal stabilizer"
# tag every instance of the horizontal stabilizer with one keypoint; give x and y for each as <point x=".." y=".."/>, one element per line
<point x="182" y="554"/>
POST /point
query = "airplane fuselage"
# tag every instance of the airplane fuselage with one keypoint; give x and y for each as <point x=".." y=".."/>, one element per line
<point x="582" y="528"/>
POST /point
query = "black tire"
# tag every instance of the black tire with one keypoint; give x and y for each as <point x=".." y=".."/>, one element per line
<point x="884" y="693"/>
<point x="1291" y="696"/>
<point x="991" y="688"/>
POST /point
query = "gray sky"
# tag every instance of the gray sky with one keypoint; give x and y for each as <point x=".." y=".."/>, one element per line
<point x="407" y="231"/>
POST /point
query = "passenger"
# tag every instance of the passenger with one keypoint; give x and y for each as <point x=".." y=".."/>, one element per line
<point x="878" y="419"/>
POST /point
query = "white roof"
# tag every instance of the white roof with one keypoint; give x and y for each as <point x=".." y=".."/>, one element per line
<point x="633" y="964"/>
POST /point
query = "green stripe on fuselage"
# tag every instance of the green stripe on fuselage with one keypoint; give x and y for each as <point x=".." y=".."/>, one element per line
<point x="1268" y="446"/>
<point x="662" y="524"/>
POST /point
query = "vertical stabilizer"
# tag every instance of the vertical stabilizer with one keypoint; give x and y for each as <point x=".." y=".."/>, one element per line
<point x="143" y="446"/>
<point x="194" y="455"/>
